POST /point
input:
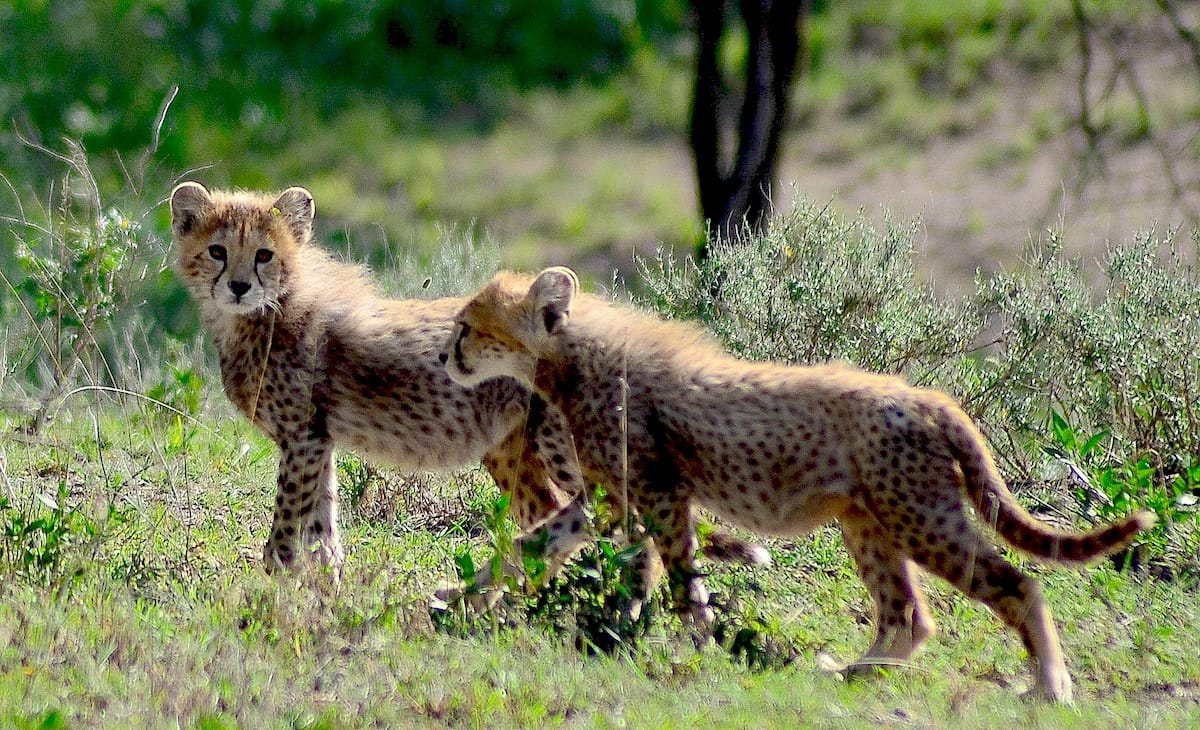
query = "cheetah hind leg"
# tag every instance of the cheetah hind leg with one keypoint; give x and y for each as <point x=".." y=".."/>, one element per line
<point x="1018" y="601"/>
<point x="718" y="545"/>
<point x="968" y="561"/>
<point x="902" y="618"/>
<point x="673" y="526"/>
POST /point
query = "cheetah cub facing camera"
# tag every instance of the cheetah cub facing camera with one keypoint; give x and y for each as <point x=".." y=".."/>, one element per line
<point x="315" y="357"/>
<point x="779" y="450"/>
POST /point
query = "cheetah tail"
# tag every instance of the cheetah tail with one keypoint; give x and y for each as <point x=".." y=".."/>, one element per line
<point x="726" y="547"/>
<point x="999" y="508"/>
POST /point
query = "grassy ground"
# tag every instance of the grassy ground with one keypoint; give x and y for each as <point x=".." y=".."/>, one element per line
<point x="131" y="592"/>
<point x="133" y="597"/>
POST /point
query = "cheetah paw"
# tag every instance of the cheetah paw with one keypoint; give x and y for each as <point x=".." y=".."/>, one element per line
<point x="459" y="594"/>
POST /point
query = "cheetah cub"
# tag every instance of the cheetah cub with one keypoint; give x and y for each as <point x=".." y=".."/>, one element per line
<point x="316" y="358"/>
<point x="661" y="415"/>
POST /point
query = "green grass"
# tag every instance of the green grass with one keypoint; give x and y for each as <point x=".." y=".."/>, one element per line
<point x="153" y="611"/>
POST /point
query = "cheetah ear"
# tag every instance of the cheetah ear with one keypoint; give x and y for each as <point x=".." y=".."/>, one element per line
<point x="298" y="209"/>
<point x="188" y="201"/>
<point x="552" y="293"/>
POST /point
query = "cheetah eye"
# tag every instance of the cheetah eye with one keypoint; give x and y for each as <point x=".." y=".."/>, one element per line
<point x="217" y="252"/>
<point x="263" y="255"/>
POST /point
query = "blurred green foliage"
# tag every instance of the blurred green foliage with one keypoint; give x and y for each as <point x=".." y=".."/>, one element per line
<point x="98" y="72"/>
<point x="257" y="75"/>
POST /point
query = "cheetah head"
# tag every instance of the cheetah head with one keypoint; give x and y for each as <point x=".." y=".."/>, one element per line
<point x="234" y="248"/>
<point x="508" y="325"/>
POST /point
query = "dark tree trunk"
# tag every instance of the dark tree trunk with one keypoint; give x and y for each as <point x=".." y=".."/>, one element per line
<point x="735" y="184"/>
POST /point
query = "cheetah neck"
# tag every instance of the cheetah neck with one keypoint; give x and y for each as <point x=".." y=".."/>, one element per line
<point x="583" y="362"/>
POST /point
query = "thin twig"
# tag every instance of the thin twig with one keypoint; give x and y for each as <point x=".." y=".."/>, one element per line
<point x="162" y="117"/>
<point x="16" y="198"/>
<point x="143" y="397"/>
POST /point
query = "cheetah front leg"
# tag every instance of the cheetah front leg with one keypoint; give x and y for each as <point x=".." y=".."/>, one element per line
<point x="523" y="463"/>
<point x="670" y="521"/>
<point x="306" y="511"/>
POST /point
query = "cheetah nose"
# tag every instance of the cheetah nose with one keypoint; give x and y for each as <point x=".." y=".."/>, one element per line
<point x="239" y="288"/>
<point x="443" y="357"/>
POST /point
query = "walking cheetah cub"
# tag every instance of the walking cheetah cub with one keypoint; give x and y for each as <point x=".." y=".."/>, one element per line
<point x="659" y="414"/>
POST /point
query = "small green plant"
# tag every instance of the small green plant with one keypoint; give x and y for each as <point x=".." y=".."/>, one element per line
<point x="500" y="533"/>
<point x="181" y="390"/>
<point x="595" y="597"/>
<point x="751" y="635"/>
<point x="176" y="400"/>
<point x="40" y="537"/>
<point x="1105" y="488"/>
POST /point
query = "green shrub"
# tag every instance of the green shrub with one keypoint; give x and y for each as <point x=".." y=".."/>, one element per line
<point x="817" y="287"/>
<point x="78" y="265"/>
<point x="1117" y="357"/>
<point x="591" y="599"/>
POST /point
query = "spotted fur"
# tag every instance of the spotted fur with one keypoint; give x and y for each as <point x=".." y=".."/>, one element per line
<point x="661" y="415"/>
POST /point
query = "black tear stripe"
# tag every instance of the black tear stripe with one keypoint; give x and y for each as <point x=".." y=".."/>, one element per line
<point x="217" y="278"/>
<point x="458" y="354"/>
